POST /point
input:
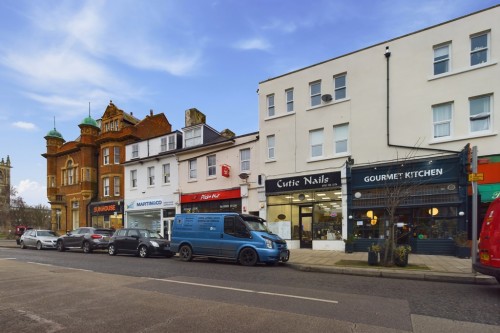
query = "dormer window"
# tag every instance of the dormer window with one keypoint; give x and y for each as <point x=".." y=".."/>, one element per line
<point x="192" y="137"/>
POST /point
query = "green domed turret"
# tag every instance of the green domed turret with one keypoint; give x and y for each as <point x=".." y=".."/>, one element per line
<point x="54" y="134"/>
<point x="89" y="121"/>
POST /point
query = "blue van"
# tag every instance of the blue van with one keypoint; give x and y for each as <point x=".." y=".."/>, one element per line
<point x="241" y="237"/>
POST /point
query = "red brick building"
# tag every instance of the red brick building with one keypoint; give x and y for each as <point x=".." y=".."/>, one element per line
<point x="85" y="182"/>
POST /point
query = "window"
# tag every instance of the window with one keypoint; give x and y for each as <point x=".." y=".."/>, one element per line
<point x="289" y="100"/>
<point x="340" y="87"/>
<point x="105" y="156"/>
<point x="478" y="49"/>
<point x="341" y="134"/>
<point x="316" y="142"/>
<point x="480" y="110"/>
<point x="135" y="150"/>
<point x="116" y="185"/>
<point x="117" y="155"/>
<point x="441" y="59"/>
<point x="270" y="147"/>
<point x="151" y="176"/>
<point x="163" y="144"/>
<point x="315" y="89"/>
<point x="70" y="172"/>
<point x="441" y="118"/>
<point x="211" y="166"/>
<point x="270" y="105"/>
<point x="105" y="183"/>
<point x="166" y="173"/>
<point x="192" y="137"/>
<point x="171" y="142"/>
<point x="133" y="178"/>
<point x="245" y="159"/>
<point x="192" y="169"/>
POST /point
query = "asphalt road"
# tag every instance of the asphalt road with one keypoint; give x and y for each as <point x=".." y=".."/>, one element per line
<point x="62" y="291"/>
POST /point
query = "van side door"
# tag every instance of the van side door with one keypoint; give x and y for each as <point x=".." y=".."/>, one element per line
<point x="235" y="234"/>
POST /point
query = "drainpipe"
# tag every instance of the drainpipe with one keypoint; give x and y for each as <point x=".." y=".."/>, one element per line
<point x="387" y="57"/>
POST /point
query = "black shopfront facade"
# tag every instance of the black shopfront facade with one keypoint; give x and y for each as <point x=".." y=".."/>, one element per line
<point x="432" y="205"/>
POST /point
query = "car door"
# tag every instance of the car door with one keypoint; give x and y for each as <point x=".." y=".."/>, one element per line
<point x="119" y="238"/>
<point x="235" y="233"/>
<point x="132" y="240"/>
<point x="28" y="238"/>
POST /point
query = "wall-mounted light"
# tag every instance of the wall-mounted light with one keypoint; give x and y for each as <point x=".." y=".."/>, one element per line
<point x="433" y="211"/>
<point x="350" y="217"/>
<point x="357" y="195"/>
<point x="461" y="213"/>
<point x="301" y="197"/>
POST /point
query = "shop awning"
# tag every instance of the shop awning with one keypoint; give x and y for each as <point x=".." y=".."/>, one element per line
<point x="489" y="192"/>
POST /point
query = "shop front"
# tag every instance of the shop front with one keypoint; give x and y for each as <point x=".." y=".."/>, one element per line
<point x="228" y="200"/>
<point x="307" y="210"/>
<point x="107" y="214"/>
<point x="154" y="214"/>
<point x="428" y="197"/>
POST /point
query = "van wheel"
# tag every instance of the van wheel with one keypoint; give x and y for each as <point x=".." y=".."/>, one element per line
<point x="248" y="257"/>
<point x="185" y="253"/>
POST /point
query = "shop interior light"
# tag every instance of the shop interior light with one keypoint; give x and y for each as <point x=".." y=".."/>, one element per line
<point x="433" y="211"/>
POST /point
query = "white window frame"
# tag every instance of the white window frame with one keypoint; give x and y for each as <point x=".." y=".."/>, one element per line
<point x="480" y="116"/>
<point x="316" y="139"/>
<point x="245" y="156"/>
<point x="338" y="87"/>
<point x="116" y="186"/>
<point x="133" y="178"/>
<point x="439" y="122"/>
<point x="105" y="156"/>
<point x="289" y="100"/>
<point x="192" y="137"/>
<point x="151" y="176"/>
<point x="163" y="144"/>
<point x="211" y="166"/>
<point x="116" y="155"/>
<point x="271" y="147"/>
<point x="315" y="96"/>
<point x="105" y="186"/>
<point x="171" y="142"/>
<point x="135" y="150"/>
<point x="442" y="58"/>
<point x="192" y="169"/>
<point x="271" y="111"/>
<point x="341" y="137"/>
<point x="166" y="173"/>
<point x="486" y="49"/>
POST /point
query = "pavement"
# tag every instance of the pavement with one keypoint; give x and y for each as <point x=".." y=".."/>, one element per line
<point x="431" y="267"/>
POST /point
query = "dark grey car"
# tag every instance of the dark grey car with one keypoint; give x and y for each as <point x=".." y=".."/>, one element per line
<point x="86" y="238"/>
<point x="141" y="242"/>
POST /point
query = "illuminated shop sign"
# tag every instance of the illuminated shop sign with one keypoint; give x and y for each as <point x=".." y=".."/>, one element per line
<point x="150" y="203"/>
<point x="108" y="208"/>
<point x="211" y="196"/>
<point x="307" y="182"/>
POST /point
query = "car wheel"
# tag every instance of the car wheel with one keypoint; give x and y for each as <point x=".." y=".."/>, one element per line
<point x="21" y="243"/>
<point x="169" y="255"/>
<point x="60" y="246"/>
<point x="143" y="251"/>
<point x="112" y="250"/>
<point x="185" y="253"/>
<point x="248" y="257"/>
<point x="86" y="247"/>
<point x="39" y="246"/>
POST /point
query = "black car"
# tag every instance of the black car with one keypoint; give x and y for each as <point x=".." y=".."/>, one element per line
<point x="86" y="238"/>
<point x="140" y="242"/>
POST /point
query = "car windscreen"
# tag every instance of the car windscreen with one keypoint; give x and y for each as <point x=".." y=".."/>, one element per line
<point x="150" y="234"/>
<point x="47" y="233"/>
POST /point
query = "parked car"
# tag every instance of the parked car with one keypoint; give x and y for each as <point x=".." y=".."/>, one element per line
<point x="141" y="242"/>
<point x="20" y="229"/>
<point x="489" y="243"/>
<point x="86" y="238"/>
<point x="241" y="237"/>
<point x="40" y="239"/>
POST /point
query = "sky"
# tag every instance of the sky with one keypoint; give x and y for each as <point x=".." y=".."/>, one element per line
<point x="57" y="56"/>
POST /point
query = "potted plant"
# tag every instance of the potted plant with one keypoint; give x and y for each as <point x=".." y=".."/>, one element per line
<point x="349" y="243"/>
<point x="462" y="245"/>
<point x="401" y="253"/>
<point x="373" y="252"/>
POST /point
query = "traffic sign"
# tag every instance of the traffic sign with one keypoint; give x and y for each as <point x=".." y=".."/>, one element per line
<point x="474" y="177"/>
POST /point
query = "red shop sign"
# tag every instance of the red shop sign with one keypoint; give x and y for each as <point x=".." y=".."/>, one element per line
<point x="211" y="196"/>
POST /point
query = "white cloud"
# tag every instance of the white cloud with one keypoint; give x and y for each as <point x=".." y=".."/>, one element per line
<point x="253" y="44"/>
<point x="24" y="125"/>
<point x="32" y="192"/>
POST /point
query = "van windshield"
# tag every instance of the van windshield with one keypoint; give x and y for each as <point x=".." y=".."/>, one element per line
<point x="256" y="226"/>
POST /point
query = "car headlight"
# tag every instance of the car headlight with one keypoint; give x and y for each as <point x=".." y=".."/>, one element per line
<point x="155" y="244"/>
<point x="269" y="243"/>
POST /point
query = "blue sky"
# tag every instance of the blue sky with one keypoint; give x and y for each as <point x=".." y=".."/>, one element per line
<point x="169" y="56"/>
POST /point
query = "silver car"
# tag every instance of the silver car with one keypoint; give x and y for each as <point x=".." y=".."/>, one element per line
<point x="41" y="239"/>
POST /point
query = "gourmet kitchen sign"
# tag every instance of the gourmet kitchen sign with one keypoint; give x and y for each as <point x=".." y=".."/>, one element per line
<point x="307" y="182"/>
<point x="425" y="172"/>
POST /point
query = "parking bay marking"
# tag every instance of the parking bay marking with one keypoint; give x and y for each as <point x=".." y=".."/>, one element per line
<point x="248" y="291"/>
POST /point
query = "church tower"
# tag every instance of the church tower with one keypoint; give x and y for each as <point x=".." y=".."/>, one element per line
<point x="5" y="184"/>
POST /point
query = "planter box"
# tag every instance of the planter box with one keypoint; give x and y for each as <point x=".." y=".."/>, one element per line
<point x="372" y="258"/>
<point x="462" y="251"/>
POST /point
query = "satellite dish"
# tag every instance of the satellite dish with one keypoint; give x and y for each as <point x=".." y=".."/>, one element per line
<point x="326" y="98"/>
